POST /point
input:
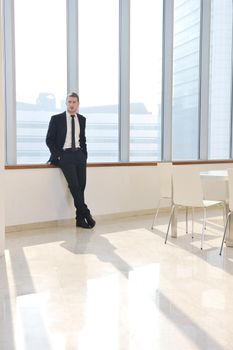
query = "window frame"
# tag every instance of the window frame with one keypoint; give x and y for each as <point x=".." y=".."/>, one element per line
<point x="124" y="81"/>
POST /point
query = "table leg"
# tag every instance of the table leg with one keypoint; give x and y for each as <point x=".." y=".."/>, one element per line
<point x="229" y="234"/>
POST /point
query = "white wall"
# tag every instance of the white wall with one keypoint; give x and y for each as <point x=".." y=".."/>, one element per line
<point x="40" y="195"/>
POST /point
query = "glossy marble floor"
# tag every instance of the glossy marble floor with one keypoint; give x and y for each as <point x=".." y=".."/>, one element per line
<point x="116" y="287"/>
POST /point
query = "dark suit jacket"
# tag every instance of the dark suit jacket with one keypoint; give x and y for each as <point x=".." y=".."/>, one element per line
<point x="56" y="136"/>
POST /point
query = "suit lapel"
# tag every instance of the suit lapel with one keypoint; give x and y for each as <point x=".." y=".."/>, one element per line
<point x="63" y="128"/>
<point x="80" y="123"/>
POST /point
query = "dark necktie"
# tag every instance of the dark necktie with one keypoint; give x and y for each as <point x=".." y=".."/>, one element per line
<point x="72" y="133"/>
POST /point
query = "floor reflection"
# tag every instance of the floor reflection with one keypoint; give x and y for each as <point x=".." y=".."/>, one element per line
<point x="116" y="287"/>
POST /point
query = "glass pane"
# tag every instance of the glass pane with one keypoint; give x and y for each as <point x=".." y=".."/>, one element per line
<point x="220" y="79"/>
<point x="98" y="76"/>
<point x="185" y="117"/>
<point x="145" y="80"/>
<point x="40" y="48"/>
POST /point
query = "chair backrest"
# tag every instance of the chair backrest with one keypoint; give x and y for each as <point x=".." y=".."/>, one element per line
<point x="230" y="187"/>
<point x="187" y="187"/>
<point x="165" y="179"/>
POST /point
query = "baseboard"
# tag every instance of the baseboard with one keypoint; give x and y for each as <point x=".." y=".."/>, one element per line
<point x="100" y="218"/>
<point x="39" y="225"/>
<point x="69" y="222"/>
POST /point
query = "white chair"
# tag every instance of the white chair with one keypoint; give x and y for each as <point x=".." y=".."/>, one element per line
<point x="230" y="203"/>
<point x="188" y="193"/>
<point x="165" y="185"/>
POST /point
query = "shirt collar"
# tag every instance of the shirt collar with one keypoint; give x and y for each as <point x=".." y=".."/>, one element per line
<point x="69" y="115"/>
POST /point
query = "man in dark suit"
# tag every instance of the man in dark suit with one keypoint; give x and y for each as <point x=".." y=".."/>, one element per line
<point x="66" y="141"/>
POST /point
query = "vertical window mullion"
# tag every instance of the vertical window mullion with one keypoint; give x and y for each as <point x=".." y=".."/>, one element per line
<point x="204" y="79"/>
<point x="124" y="79"/>
<point x="231" y="121"/>
<point x="10" y="96"/>
<point x="72" y="45"/>
<point x="168" y="15"/>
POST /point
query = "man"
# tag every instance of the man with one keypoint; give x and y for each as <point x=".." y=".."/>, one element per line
<point x="66" y="141"/>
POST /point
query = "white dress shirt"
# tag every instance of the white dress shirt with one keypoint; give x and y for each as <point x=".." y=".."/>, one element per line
<point x="67" y="143"/>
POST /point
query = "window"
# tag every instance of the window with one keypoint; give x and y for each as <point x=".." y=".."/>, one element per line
<point x="145" y="80"/>
<point x="40" y="59"/>
<point x="98" y="76"/>
<point x="220" y="80"/>
<point x="112" y="50"/>
<point x="185" y="116"/>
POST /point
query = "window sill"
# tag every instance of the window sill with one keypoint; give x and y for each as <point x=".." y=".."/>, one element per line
<point x="118" y="164"/>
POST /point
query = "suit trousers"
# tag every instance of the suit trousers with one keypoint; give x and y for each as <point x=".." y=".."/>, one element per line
<point x="73" y="166"/>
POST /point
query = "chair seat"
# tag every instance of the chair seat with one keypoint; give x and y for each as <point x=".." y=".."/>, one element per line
<point x="205" y="204"/>
<point x="209" y="203"/>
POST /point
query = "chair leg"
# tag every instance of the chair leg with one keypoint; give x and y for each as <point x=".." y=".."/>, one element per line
<point x="156" y="214"/>
<point x="224" y="214"/>
<point x="205" y="218"/>
<point x="170" y="219"/>
<point x="192" y="221"/>
<point x="203" y="228"/>
<point x="224" y="234"/>
<point x="187" y="213"/>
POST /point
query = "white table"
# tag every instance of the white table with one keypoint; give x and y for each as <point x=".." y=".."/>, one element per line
<point x="215" y="185"/>
<point x="219" y="178"/>
<point x="220" y="175"/>
<point x="216" y="179"/>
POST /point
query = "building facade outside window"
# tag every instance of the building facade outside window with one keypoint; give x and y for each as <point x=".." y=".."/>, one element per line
<point x="185" y="115"/>
<point x="146" y="80"/>
<point x="220" y="86"/>
<point x="98" y="77"/>
<point x="40" y="70"/>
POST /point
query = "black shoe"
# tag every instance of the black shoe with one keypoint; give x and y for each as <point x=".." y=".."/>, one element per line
<point x="82" y="223"/>
<point x="90" y="220"/>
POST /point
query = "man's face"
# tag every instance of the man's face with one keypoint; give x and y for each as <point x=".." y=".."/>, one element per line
<point x="72" y="104"/>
